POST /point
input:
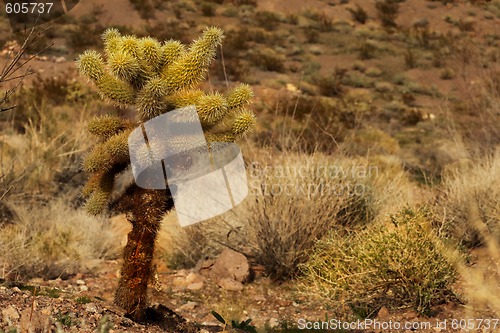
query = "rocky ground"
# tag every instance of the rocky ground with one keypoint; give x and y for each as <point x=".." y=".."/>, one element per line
<point x="83" y="303"/>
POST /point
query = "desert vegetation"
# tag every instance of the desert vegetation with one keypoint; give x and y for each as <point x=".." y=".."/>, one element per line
<point x="372" y="167"/>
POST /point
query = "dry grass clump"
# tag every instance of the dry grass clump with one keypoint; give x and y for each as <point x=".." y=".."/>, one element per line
<point x="298" y="198"/>
<point x="469" y="210"/>
<point x="52" y="241"/>
<point x="396" y="263"/>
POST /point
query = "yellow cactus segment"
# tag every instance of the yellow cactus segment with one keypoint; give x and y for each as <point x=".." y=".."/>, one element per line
<point x="115" y="89"/>
<point x="219" y="137"/>
<point x="99" y="180"/>
<point x="123" y="65"/>
<point x="192" y="67"/>
<point x="171" y="51"/>
<point x="152" y="52"/>
<point x="184" y="98"/>
<point x="244" y="123"/>
<point x="97" y="202"/>
<point x="211" y="108"/>
<point x="130" y="45"/>
<point x="106" y="126"/>
<point x="110" y="34"/>
<point x="151" y="100"/>
<point x="117" y="145"/>
<point x="108" y="154"/>
<point x="111" y="38"/>
<point x="239" y="96"/>
<point x="91" y="65"/>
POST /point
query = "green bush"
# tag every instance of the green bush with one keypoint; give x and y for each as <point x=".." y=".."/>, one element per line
<point x="400" y="263"/>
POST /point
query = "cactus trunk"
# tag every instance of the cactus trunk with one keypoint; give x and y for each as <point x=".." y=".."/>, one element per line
<point x="145" y="209"/>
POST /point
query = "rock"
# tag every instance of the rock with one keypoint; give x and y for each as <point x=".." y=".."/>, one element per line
<point x="383" y="313"/>
<point x="10" y="314"/>
<point x="59" y="60"/>
<point x="259" y="298"/>
<point x="33" y="321"/>
<point x="84" y="288"/>
<point x="91" y="307"/>
<point x="179" y="282"/>
<point x="273" y="323"/>
<point x="230" y="284"/>
<point x="231" y="264"/>
<point x="195" y="286"/>
<point x="203" y="267"/>
<point x="189" y="306"/>
<point x="194" y="278"/>
<point x="80" y="282"/>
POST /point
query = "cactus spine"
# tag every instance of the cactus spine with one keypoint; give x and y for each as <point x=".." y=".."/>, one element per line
<point x="154" y="78"/>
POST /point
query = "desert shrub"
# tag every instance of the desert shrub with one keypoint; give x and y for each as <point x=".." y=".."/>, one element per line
<point x="397" y="263"/>
<point x="367" y="141"/>
<point x="366" y="50"/>
<point x="32" y="100"/>
<point x="387" y="11"/>
<point x="269" y="60"/>
<point x="331" y="85"/>
<point x="469" y="211"/>
<point x="410" y="59"/>
<point x="466" y="25"/>
<point x="267" y="20"/>
<point x="207" y="9"/>
<point x="358" y="14"/>
<point x="144" y="7"/>
<point x="46" y="243"/>
<point x="83" y="34"/>
<point x="297" y="199"/>
<point x="447" y="74"/>
<point x="311" y="34"/>
<point x="324" y="23"/>
<point x="165" y="30"/>
<point x="358" y="81"/>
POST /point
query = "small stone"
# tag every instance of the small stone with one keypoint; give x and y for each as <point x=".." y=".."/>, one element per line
<point x="383" y="312"/>
<point x="231" y="264"/>
<point x="80" y="282"/>
<point x="189" y="306"/>
<point x="181" y="272"/>
<point x="91" y="307"/>
<point x="193" y="278"/>
<point x="273" y="322"/>
<point x="230" y="285"/>
<point x="259" y="298"/>
<point x="179" y="282"/>
<point x="84" y="288"/>
<point x="32" y="322"/>
<point x="195" y="286"/>
<point x="10" y="314"/>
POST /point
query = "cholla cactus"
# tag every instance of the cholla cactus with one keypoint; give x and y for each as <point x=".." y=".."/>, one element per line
<point x="155" y="78"/>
